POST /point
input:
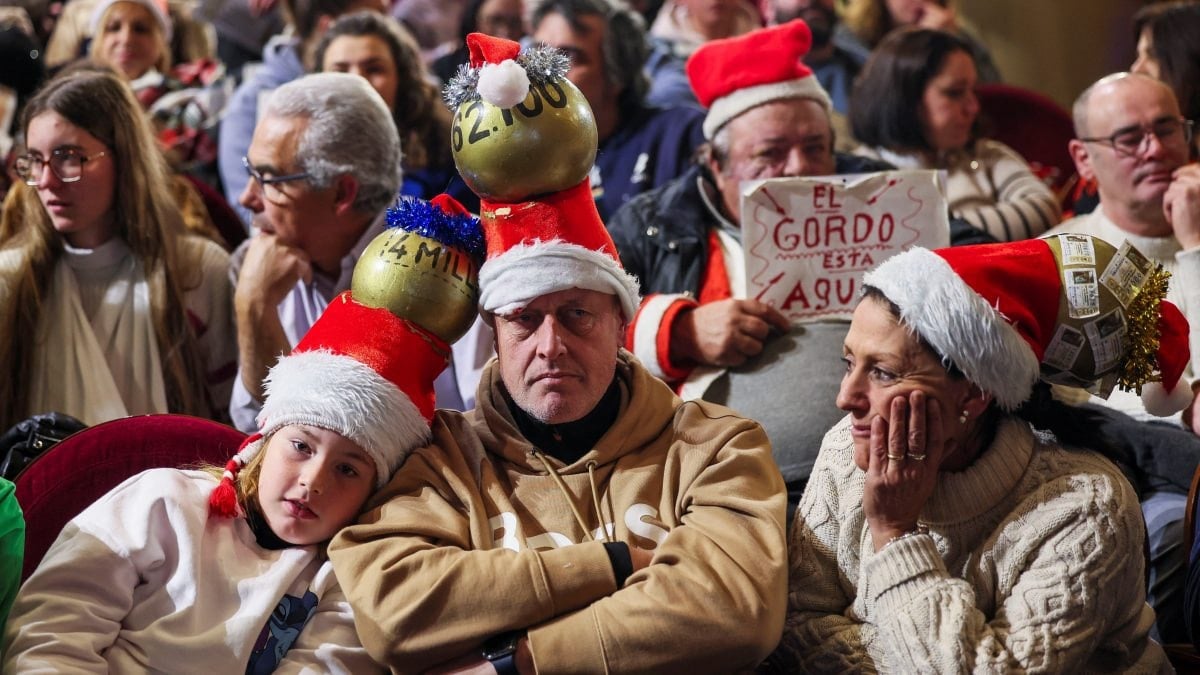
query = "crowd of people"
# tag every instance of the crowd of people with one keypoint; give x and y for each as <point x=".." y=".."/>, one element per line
<point x="471" y="277"/>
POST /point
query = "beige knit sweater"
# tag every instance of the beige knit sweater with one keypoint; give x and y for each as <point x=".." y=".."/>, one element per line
<point x="1033" y="564"/>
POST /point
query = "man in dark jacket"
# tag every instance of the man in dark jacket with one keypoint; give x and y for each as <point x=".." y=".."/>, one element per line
<point x="768" y="117"/>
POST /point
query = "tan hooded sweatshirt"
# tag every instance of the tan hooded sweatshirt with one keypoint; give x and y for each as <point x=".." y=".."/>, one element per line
<point x="474" y="537"/>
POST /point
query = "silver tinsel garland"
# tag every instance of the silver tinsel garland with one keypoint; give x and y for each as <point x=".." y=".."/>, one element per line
<point x="541" y="63"/>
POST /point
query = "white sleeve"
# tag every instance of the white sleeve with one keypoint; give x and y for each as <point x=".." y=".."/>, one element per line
<point x="70" y="610"/>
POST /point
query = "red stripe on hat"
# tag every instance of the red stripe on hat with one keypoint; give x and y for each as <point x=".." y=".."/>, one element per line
<point x="1020" y="280"/>
<point x="488" y="49"/>
<point x="400" y="351"/>
<point x="567" y="215"/>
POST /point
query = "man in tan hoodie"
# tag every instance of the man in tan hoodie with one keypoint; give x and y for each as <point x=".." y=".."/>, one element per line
<point x="582" y="518"/>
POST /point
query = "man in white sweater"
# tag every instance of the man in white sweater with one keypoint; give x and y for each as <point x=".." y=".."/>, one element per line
<point x="1132" y="141"/>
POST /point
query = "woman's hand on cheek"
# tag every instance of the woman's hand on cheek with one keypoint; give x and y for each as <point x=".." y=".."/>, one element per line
<point x="904" y="456"/>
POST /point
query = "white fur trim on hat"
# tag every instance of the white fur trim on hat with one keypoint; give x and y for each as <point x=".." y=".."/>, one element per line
<point x="342" y="394"/>
<point x="164" y="21"/>
<point x="512" y="279"/>
<point x="739" y="101"/>
<point x="960" y="325"/>
<point x="503" y="84"/>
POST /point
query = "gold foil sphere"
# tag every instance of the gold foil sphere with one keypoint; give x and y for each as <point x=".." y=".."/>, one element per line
<point x="1092" y="334"/>
<point x="420" y="279"/>
<point x="545" y="144"/>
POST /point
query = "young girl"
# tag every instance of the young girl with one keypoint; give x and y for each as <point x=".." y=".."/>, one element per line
<point x="225" y="572"/>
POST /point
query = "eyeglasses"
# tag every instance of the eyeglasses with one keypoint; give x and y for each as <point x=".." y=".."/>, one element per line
<point x="269" y="185"/>
<point x="1133" y="141"/>
<point x="66" y="163"/>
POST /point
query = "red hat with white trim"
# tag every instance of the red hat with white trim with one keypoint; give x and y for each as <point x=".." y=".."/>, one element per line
<point x="733" y="75"/>
<point x="361" y="371"/>
<point x="1069" y="309"/>
<point x="540" y="221"/>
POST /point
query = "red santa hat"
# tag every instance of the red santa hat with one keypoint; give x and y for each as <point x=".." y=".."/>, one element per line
<point x="999" y="313"/>
<point x="550" y="244"/>
<point x="733" y="75"/>
<point x="545" y="239"/>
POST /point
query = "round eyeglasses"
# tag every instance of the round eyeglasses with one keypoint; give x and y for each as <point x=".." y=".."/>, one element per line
<point x="1132" y="141"/>
<point x="66" y="163"/>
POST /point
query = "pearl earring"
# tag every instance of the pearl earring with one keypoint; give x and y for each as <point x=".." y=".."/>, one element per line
<point x="962" y="419"/>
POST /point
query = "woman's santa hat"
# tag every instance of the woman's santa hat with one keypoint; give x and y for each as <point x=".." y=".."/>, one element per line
<point x="733" y="75"/>
<point x="359" y="371"/>
<point x="995" y="311"/>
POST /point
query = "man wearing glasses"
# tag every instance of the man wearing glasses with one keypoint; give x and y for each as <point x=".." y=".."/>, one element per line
<point x="324" y="164"/>
<point x="1132" y="140"/>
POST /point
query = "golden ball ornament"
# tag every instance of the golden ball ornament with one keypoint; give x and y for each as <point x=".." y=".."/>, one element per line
<point x="1107" y="313"/>
<point x="544" y="144"/>
<point x="420" y="279"/>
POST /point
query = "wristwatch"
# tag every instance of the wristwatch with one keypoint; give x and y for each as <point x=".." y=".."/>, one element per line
<point x="501" y="651"/>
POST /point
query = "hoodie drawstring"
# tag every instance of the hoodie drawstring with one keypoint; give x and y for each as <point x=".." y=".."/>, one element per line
<point x="562" y="487"/>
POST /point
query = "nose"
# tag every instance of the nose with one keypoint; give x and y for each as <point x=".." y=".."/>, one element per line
<point x="312" y="476"/>
<point x="1152" y="145"/>
<point x="250" y="197"/>
<point x="550" y="338"/>
<point x="46" y="177"/>
<point x="850" y="396"/>
<point x="796" y="164"/>
<point x="972" y="103"/>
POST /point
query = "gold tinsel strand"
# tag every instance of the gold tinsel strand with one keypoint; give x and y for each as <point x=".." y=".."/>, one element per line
<point x="1141" y="358"/>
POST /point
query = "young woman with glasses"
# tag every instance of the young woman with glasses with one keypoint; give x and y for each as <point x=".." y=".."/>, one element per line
<point x="108" y="307"/>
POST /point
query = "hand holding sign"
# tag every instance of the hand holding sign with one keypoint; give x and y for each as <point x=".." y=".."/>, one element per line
<point x="808" y="241"/>
<point x="724" y="333"/>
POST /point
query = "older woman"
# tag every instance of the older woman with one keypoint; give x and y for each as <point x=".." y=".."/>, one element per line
<point x="108" y="307"/>
<point x="943" y="528"/>
<point x="914" y="106"/>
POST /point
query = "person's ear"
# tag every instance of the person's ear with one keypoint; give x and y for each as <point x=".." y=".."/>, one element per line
<point x="974" y="402"/>
<point x="1082" y="158"/>
<point x="345" y="193"/>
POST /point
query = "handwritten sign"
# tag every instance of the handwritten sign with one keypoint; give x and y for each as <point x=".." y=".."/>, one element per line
<point x="808" y="241"/>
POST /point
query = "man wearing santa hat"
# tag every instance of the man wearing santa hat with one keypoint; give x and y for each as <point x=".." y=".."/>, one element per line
<point x="768" y="117"/>
<point x="582" y="518"/>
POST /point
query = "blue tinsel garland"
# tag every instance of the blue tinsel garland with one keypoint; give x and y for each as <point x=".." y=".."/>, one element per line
<point x="420" y="217"/>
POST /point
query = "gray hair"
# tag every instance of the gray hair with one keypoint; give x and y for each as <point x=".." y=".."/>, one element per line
<point x="350" y="131"/>
<point x="625" y="47"/>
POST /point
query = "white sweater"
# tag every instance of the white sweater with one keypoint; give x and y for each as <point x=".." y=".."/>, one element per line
<point x="1033" y="564"/>
<point x="991" y="187"/>
<point x="144" y="581"/>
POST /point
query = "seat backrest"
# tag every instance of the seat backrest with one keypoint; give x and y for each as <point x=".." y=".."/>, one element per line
<point x="1033" y="125"/>
<point x="55" y="487"/>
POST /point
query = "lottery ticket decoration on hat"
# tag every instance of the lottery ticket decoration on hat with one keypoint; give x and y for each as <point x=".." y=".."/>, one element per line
<point x="733" y="75"/>
<point x="524" y="140"/>
<point x="1069" y="309"/>
<point x="366" y="367"/>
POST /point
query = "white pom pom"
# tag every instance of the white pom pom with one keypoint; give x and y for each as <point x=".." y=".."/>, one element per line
<point x="504" y="84"/>
<point x="1161" y="403"/>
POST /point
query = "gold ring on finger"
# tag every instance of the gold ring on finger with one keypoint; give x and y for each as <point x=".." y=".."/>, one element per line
<point x="897" y="458"/>
<point x="916" y="458"/>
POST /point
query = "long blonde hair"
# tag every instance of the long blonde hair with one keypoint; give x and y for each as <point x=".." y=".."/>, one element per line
<point x="146" y="217"/>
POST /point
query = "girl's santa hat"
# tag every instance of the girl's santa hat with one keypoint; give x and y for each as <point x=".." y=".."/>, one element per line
<point x="1069" y="310"/>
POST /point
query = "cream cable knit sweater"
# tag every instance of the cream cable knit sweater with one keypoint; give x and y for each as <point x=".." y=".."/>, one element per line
<point x="1033" y="564"/>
